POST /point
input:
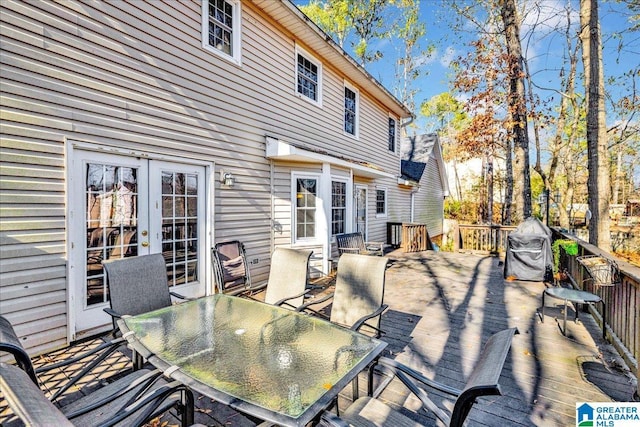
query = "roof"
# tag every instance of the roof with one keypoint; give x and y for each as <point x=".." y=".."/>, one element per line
<point x="302" y="28"/>
<point x="412" y="170"/>
<point x="416" y="152"/>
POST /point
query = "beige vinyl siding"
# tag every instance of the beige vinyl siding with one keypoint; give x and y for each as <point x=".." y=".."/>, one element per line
<point x="134" y="76"/>
<point x="430" y="198"/>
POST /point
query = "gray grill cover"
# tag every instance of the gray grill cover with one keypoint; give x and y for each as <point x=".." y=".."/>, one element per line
<point x="529" y="255"/>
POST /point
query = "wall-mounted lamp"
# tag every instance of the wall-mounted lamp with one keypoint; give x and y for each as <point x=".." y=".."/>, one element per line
<point x="226" y="178"/>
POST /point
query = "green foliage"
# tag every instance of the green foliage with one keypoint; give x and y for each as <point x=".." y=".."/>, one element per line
<point x="570" y="247"/>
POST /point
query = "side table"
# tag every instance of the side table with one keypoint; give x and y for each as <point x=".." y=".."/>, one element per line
<point x="577" y="297"/>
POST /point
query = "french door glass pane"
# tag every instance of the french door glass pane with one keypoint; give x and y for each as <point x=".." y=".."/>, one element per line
<point x="180" y="226"/>
<point x="111" y="195"/>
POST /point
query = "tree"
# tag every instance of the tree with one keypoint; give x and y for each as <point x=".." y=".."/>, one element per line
<point x="517" y="109"/>
<point x="357" y="21"/>
<point x="598" y="183"/>
<point x="331" y="17"/>
<point x="409" y="64"/>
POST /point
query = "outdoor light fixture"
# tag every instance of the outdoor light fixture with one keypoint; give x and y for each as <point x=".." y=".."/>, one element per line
<point x="226" y="178"/>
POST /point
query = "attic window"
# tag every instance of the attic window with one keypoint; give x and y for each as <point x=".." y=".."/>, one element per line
<point x="221" y="28"/>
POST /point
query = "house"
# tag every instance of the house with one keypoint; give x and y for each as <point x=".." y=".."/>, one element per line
<point x="423" y="170"/>
<point x="143" y="127"/>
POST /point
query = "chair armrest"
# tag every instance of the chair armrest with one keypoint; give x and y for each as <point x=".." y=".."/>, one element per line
<point x="329" y="419"/>
<point x="99" y="354"/>
<point x="182" y="297"/>
<point x="416" y="382"/>
<point x="112" y="313"/>
<point x="27" y="400"/>
<point x="283" y="301"/>
<point x="306" y="306"/>
<point x="361" y="321"/>
<point x="396" y="367"/>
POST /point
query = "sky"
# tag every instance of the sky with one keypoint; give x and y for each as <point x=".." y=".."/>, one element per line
<point x="544" y="49"/>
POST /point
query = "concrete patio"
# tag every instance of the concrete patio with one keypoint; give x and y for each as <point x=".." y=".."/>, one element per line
<point x="443" y="307"/>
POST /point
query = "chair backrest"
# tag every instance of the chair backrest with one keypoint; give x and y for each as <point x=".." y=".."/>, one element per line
<point x="138" y="284"/>
<point x="350" y="242"/>
<point x="484" y="378"/>
<point x="359" y="289"/>
<point x="10" y="343"/>
<point x="288" y="275"/>
<point x="230" y="267"/>
<point x="27" y="401"/>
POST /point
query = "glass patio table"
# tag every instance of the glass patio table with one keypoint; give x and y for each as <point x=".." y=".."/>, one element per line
<point x="272" y="363"/>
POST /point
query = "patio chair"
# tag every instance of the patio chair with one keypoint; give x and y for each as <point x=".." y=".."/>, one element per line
<point x="353" y="243"/>
<point x="359" y="293"/>
<point x="117" y="395"/>
<point x="369" y="411"/>
<point x="230" y="268"/>
<point x="288" y="277"/>
<point x="137" y="285"/>
<point x="133" y="405"/>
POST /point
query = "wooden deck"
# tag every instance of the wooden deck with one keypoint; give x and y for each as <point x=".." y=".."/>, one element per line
<point x="444" y="306"/>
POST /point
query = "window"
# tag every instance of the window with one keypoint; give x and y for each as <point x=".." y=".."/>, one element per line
<point x="350" y="111"/>
<point x="392" y="134"/>
<point x="381" y="202"/>
<point x="221" y="28"/>
<point x="305" y="219"/>
<point x="308" y="76"/>
<point x="338" y="207"/>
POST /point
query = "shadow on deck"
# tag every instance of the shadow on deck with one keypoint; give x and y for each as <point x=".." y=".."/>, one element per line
<point x="443" y="307"/>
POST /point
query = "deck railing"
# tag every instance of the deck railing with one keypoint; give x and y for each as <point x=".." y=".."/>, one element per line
<point x="409" y="237"/>
<point x="482" y="238"/>
<point x="622" y="300"/>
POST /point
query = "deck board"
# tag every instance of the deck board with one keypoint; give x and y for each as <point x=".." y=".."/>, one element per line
<point x="444" y="306"/>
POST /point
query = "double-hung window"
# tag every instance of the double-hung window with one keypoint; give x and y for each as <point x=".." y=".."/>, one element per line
<point x="338" y="207"/>
<point x="351" y="111"/>
<point x="306" y="193"/>
<point x="221" y="28"/>
<point x="381" y="202"/>
<point x="308" y="76"/>
<point x="392" y="134"/>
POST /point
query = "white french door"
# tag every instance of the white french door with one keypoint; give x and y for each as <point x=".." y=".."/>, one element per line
<point x="128" y="206"/>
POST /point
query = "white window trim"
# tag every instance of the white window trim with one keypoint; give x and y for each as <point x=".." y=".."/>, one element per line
<point x="236" y="58"/>
<point x="386" y="202"/>
<point x="355" y="90"/>
<point x="395" y="142"/>
<point x="294" y="223"/>
<point x="300" y="51"/>
<point x="348" y="208"/>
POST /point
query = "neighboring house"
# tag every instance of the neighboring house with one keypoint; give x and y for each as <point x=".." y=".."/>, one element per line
<point x="141" y="127"/>
<point x="423" y="170"/>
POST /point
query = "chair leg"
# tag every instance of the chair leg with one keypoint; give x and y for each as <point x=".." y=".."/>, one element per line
<point x="187" y="408"/>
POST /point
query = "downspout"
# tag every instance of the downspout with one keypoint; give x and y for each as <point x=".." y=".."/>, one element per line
<point x="272" y="190"/>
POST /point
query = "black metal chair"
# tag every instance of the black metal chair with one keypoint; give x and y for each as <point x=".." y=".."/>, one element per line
<point x="370" y="411"/>
<point x="231" y="269"/>
<point x="353" y="243"/>
<point x="112" y="398"/>
<point x="133" y="403"/>
<point x="137" y="285"/>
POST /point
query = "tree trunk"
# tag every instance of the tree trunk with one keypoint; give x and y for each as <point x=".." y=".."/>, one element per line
<point x="517" y="109"/>
<point x="598" y="164"/>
